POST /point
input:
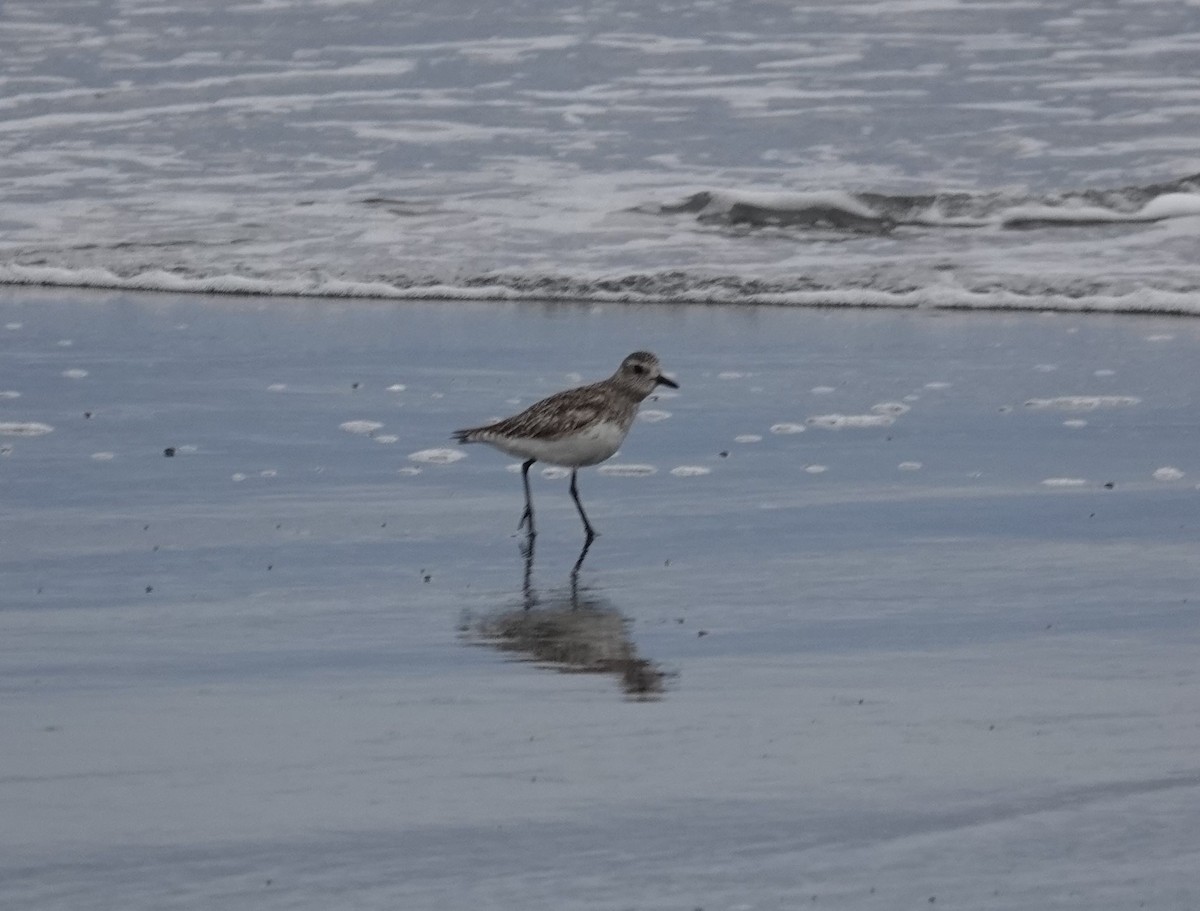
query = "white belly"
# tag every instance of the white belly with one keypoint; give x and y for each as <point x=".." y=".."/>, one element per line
<point x="588" y="447"/>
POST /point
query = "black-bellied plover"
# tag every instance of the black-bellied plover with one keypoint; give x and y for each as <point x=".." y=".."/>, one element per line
<point x="575" y="428"/>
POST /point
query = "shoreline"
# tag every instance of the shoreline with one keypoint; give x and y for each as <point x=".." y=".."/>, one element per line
<point x="1160" y="303"/>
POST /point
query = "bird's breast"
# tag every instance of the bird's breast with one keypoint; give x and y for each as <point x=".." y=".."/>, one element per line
<point x="588" y="446"/>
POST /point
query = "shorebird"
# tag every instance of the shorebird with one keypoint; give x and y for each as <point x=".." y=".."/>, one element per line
<point x="574" y="428"/>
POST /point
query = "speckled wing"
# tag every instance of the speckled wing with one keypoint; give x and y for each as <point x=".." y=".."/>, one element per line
<point x="558" y="416"/>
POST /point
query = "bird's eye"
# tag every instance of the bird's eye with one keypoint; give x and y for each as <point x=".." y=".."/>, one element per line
<point x="638" y="368"/>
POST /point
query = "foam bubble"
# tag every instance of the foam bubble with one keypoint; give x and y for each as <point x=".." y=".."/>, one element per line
<point x="895" y="408"/>
<point x="103" y="456"/>
<point x="1045" y="368"/>
<point x="75" y="373"/>
<point x="396" y="387"/>
<point x="747" y="438"/>
<point x="626" y="471"/>
<point x="838" y="421"/>
<point x="822" y="390"/>
<point x="238" y="477"/>
<point x="731" y="375"/>
<point x="816" y="469"/>
<point x="554" y="473"/>
<point x="365" y="427"/>
<point x="1160" y="337"/>
<point x="408" y="471"/>
<point x="1084" y="402"/>
<point x="910" y="466"/>
<point x="277" y="387"/>
<point x="9" y="394"/>
<point x="653" y="416"/>
<point x="787" y="428"/>
<point x="24" y="428"/>
<point x="1104" y="372"/>
<point x="1075" y="423"/>
<point x="13" y="327"/>
<point x="938" y="384"/>
<point x="268" y="473"/>
<point x="437" y="456"/>
<point x="1167" y="473"/>
<point x="387" y="438"/>
<point x="690" y="471"/>
<point x="1065" y="482"/>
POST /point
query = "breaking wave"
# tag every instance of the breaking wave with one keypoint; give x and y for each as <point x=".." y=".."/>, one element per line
<point x="895" y="251"/>
<point x="877" y="213"/>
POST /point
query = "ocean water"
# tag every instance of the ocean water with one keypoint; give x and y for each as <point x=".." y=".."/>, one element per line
<point x="937" y="153"/>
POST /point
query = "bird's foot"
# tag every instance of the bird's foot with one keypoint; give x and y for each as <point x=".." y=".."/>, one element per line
<point x="527" y="522"/>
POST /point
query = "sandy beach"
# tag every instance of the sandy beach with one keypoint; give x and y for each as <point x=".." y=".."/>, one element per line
<point x="922" y="588"/>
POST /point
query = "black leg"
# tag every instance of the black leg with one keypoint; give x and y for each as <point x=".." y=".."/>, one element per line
<point x="527" y="515"/>
<point x="527" y="580"/>
<point x="587" y="526"/>
<point x="575" y="571"/>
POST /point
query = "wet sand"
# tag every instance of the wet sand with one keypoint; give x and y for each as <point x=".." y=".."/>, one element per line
<point x="918" y="593"/>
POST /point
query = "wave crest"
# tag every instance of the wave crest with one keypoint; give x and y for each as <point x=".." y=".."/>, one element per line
<point x="876" y="213"/>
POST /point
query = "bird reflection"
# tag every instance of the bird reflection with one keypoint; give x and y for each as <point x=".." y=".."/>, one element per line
<point x="527" y="590"/>
<point x="574" y="629"/>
